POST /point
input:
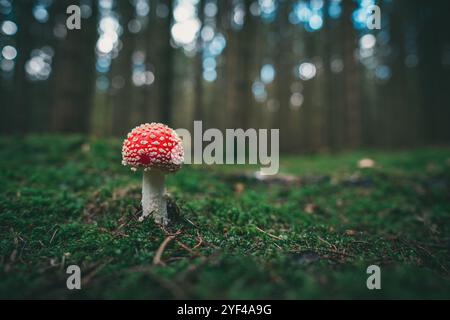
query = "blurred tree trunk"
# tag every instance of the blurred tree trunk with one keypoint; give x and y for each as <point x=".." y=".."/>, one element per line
<point x="333" y="83"/>
<point x="372" y="109"/>
<point x="239" y="77"/>
<point x="167" y="72"/>
<point x="150" y="102"/>
<point x="160" y="56"/>
<point x="306" y="114"/>
<point x="433" y="34"/>
<point x="222" y="87"/>
<point x="284" y="77"/>
<point x="412" y="104"/>
<point x="318" y="134"/>
<point x="121" y="91"/>
<point x="74" y="75"/>
<point x="400" y="110"/>
<point x="232" y="67"/>
<point x="262" y="54"/>
<point x="7" y="104"/>
<point x="199" y="112"/>
<point x="352" y="98"/>
<point x="443" y="78"/>
<point x="21" y="108"/>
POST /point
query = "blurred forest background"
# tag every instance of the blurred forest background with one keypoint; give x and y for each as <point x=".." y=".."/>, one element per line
<point x="308" y="67"/>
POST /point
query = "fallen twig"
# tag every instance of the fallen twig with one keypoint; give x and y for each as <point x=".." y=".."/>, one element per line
<point x="268" y="234"/>
<point x="326" y="242"/>
<point x="191" y="223"/>
<point x="157" y="259"/>
<point x="185" y="247"/>
<point x="200" y="241"/>
<point x="53" y="236"/>
<point x="181" y="244"/>
<point x="276" y="245"/>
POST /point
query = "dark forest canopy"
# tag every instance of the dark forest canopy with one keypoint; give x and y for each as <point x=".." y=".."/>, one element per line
<point x="311" y="68"/>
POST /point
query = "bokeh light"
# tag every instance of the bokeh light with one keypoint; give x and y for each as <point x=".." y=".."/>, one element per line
<point x="40" y="13"/>
<point x="307" y="71"/>
<point x="267" y="73"/>
<point x="39" y="66"/>
<point x="9" y="52"/>
<point x="9" y="28"/>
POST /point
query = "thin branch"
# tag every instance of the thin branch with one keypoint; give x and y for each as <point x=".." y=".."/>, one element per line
<point x="157" y="259"/>
<point x="200" y="241"/>
<point x="53" y="236"/>
<point x="268" y="234"/>
<point x="326" y="242"/>
<point x="185" y="247"/>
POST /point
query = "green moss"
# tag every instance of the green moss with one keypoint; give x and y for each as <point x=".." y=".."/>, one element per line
<point x="68" y="200"/>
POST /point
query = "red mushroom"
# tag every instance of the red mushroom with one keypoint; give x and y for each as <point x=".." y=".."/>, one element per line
<point x="158" y="150"/>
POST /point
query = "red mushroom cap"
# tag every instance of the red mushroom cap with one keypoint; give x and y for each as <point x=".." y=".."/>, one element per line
<point x="153" y="145"/>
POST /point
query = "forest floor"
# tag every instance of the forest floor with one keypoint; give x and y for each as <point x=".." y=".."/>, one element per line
<point x="309" y="233"/>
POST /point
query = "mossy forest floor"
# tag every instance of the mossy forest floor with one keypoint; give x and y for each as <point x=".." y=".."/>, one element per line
<point x="310" y="233"/>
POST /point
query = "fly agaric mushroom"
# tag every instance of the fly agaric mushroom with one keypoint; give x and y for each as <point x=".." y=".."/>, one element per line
<point x="158" y="150"/>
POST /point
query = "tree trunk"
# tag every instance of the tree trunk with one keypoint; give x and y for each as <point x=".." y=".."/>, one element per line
<point x="74" y="75"/>
<point x="352" y="79"/>
<point x="198" y="91"/>
<point x="239" y="77"/>
<point x="21" y="96"/>
<point x="121" y="97"/>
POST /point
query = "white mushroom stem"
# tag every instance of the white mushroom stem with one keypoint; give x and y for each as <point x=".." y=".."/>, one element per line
<point x="153" y="196"/>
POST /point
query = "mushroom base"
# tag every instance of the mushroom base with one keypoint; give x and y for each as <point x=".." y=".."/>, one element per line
<point x="153" y="197"/>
